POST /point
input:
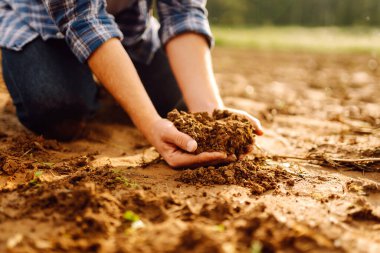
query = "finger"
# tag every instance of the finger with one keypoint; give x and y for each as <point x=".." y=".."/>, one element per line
<point x="180" y="139"/>
<point x="256" y="124"/>
<point x="179" y="160"/>
<point x="228" y="159"/>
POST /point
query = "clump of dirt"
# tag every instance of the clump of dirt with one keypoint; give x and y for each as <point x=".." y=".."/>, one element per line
<point x="147" y="205"/>
<point x="362" y="211"/>
<point x="25" y="151"/>
<point x="223" y="131"/>
<point x="218" y="211"/>
<point x="262" y="231"/>
<point x="195" y="240"/>
<point x="24" y="144"/>
<point x="8" y="165"/>
<point x="253" y="174"/>
<point x="371" y="152"/>
<point x="93" y="211"/>
<point x="362" y="188"/>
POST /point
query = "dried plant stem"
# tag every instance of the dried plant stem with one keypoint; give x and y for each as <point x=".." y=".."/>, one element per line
<point x="359" y="164"/>
<point x="328" y="158"/>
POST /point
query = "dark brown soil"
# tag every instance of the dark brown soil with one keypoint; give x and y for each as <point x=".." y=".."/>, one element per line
<point x="223" y="131"/>
<point x="253" y="174"/>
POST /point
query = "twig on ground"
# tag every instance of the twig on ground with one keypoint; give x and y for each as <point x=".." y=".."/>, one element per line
<point x="362" y="164"/>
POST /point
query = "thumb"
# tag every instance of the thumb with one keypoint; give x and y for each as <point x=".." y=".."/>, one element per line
<point x="181" y="140"/>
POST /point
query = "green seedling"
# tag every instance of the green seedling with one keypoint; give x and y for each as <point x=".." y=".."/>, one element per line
<point x="36" y="178"/>
<point x="219" y="228"/>
<point x="126" y="182"/>
<point x="131" y="216"/>
<point x="122" y="179"/>
<point x="137" y="223"/>
<point x="256" y="247"/>
<point x="117" y="171"/>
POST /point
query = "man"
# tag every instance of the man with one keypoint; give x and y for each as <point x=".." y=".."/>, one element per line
<point x="51" y="48"/>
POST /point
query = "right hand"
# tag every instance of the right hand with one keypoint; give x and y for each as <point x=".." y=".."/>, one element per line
<point x="173" y="144"/>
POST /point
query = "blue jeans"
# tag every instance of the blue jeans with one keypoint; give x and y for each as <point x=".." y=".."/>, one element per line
<point x="55" y="94"/>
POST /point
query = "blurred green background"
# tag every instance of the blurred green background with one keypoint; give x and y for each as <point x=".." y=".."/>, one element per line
<point x="297" y="25"/>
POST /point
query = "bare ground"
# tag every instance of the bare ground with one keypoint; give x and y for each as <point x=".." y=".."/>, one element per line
<point x="318" y="166"/>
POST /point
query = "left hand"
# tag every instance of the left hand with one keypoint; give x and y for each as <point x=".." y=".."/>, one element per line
<point x="255" y="123"/>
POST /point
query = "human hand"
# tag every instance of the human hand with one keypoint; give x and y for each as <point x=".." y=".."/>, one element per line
<point x="173" y="144"/>
<point x="255" y="122"/>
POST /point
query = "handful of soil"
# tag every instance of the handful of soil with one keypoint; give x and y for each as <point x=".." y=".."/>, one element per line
<point x="223" y="131"/>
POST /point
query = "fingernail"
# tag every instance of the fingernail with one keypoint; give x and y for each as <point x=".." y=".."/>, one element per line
<point x="191" y="146"/>
<point x="259" y="132"/>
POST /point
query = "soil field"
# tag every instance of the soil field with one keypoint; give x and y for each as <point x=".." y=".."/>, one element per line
<point x="311" y="185"/>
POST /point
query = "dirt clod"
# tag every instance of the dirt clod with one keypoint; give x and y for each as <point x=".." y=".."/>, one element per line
<point x="223" y="131"/>
<point x="253" y="174"/>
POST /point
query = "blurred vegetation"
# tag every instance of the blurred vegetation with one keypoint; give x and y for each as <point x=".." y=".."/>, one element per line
<point x="304" y="39"/>
<point x="294" y="12"/>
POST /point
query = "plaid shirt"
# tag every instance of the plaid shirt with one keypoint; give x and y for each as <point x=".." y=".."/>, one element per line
<point x="86" y="24"/>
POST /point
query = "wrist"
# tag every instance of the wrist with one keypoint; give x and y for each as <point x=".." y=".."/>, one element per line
<point x="206" y="106"/>
<point x="147" y="123"/>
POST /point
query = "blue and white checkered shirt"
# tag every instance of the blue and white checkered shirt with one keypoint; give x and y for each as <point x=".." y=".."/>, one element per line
<point x="86" y="24"/>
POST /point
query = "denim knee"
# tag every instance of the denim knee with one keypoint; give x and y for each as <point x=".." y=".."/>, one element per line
<point x="52" y="97"/>
<point x="62" y="120"/>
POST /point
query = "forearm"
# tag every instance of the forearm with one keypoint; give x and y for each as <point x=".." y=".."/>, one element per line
<point x="190" y="59"/>
<point x="114" y="69"/>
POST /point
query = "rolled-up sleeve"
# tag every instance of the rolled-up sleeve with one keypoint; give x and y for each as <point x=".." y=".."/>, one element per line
<point x="85" y="24"/>
<point x="181" y="16"/>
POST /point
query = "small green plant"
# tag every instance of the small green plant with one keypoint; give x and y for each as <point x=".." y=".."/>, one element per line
<point x="256" y="247"/>
<point x="131" y="216"/>
<point x="36" y="178"/>
<point x="219" y="228"/>
<point x="117" y="171"/>
<point x="122" y="179"/>
<point x="127" y="182"/>
<point x="137" y="223"/>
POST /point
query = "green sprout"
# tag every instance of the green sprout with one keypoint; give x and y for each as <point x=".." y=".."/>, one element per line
<point x="137" y="223"/>
<point x="256" y="247"/>
<point x="131" y="216"/>
<point x="219" y="228"/>
<point x="127" y="182"/>
<point x="36" y="177"/>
